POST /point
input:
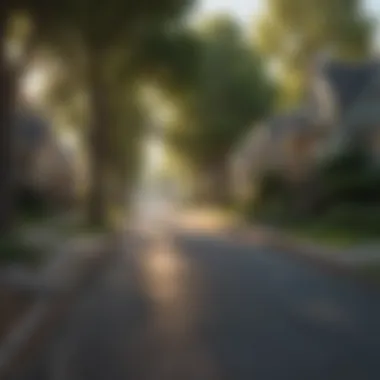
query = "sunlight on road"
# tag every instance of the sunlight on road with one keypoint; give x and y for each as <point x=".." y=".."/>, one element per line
<point x="173" y="289"/>
<point x="166" y="273"/>
<point x="206" y="219"/>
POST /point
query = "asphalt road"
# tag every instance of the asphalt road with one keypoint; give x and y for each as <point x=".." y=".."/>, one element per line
<point x="195" y="307"/>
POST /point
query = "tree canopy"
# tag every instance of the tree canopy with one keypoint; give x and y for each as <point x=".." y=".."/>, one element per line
<point x="292" y="32"/>
<point x="230" y="91"/>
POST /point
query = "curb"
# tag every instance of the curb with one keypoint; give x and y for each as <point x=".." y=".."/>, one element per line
<point x="25" y="338"/>
<point x="324" y="258"/>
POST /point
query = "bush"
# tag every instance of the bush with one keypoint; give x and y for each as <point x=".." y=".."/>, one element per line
<point x="271" y="199"/>
<point x="343" y="193"/>
<point x="354" y="217"/>
<point x="346" y="161"/>
<point x="31" y="204"/>
<point x="15" y="250"/>
<point x="349" y="177"/>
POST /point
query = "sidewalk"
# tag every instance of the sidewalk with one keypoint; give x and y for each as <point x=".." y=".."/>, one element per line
<point x="349" y="259"/>
<point x="353" y="256"/>
<point x="361" y="262"/>
<point x="71" y="261"/>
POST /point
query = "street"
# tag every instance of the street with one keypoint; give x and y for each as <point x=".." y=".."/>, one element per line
<point x="193" y="306"/>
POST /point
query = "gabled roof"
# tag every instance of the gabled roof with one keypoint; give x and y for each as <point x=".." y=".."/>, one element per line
<point x="297" y="120"/>
<point x="349" y="80"/>
<point x="366" y="114"/>
<point x="31" y="128"/>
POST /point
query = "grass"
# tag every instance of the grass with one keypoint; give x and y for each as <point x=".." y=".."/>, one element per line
<point x="83" y="228"/>
<point x="371" y="272"/>
<point x="341" y="231"/>
<point x="19" y="248"/>
<point x="333" y="235"/>
<point x="14" y="250"/>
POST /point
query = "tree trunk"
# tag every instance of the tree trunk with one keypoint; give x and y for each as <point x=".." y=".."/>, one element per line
<point x="7" y="103"/>
<point x="219" y="191"/>
<point x="213" y="186"/>
<point x="97" y="208"/>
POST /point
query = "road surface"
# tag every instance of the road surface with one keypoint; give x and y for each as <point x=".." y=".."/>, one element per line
<point x="194" y="307"/>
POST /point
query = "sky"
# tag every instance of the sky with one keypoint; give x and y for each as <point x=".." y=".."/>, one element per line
<point x="246" y="10"/>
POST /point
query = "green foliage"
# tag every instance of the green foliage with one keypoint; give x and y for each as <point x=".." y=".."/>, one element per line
<point x="371" y="272"/>
<point x="270" y="201"/>
<point x="32" y="205"/>
<point x="15" y="250"/>
<point x="106" y="47"/>
<point x="349" y="177"/>
<point x="231" y="90"/>
<point x="88" y="35"/>
<point x="97" y="24"/>
<point x="124" y="146"/>
<point x="348" y="200"/>
<point x="170" y="57"/>
<point x="293" y="31"/>
<point x="354" y="216"/>
<point x="271" y="186"/>
<point x="301" y="28"/>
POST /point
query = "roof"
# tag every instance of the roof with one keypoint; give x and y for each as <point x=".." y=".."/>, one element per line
<point x="365" y="116"/>
<point x="349" y="80"/>
<point x="31" y="129"/>
<point x="296" y="120"/>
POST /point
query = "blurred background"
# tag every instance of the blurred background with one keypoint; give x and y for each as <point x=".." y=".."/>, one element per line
<point x="265" y="108"/>
<point x="262" y="113"/>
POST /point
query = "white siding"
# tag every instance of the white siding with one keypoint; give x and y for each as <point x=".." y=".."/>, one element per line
<point x="252" y="157"/>
<point x="326" y="107"/>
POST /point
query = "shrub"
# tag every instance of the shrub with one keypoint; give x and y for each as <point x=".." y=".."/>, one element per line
<point x="15" y="250"/>
<point x="31" y="204"/>
<point x="270" y="202"/>
<point x="355" y="217"/>
<point x="349" y="177"/>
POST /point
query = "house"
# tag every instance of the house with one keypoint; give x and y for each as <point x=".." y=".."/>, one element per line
<point x="341" y="106"/>
<point x="42" y="164"/>
<point x="284" y="143"/>
<point x="342" y="99"/>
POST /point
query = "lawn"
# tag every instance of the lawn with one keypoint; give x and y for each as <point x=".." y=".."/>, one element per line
<point x="332" y="235"/>
<point x="13" y="249"/>
<point x="371" y="272"/>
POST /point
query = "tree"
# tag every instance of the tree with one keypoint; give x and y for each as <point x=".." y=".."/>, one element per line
<point x="8" y="93"/>
<point x="6" y="104"/>
<point x="103" y="32"/>
<point x="125" y="137"/>
<point x="230" y="92"/>
<point x="15" y="37"/>
<point x="18" y="37"/>
<point x="293" y="31"/>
